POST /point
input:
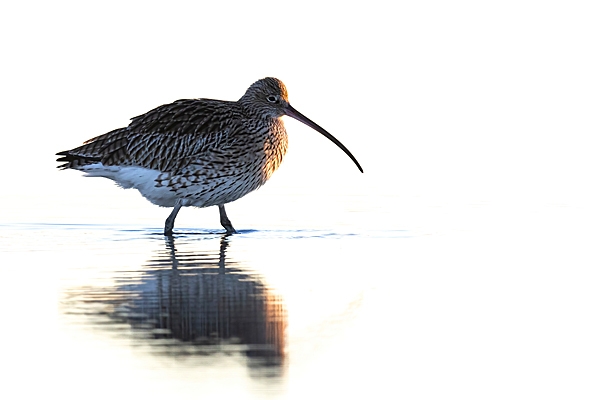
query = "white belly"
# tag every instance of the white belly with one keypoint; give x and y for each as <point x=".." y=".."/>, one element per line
<point x="142" y="179"/>
<point x="164" y="190"/>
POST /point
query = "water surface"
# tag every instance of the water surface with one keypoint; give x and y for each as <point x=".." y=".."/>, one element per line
<point x="118" y="310"/>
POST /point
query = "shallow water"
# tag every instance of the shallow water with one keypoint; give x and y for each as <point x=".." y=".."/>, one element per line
<point x="200" y="313"/>
<point x="500" y="307"/>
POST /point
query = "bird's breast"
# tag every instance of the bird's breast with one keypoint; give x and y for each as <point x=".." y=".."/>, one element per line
<point x="225" y="173"/>
<point x="274" y="148"/>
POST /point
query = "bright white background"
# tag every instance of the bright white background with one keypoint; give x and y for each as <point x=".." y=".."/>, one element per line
<point x="446" y="101"/>
<point x="476" y="123"/>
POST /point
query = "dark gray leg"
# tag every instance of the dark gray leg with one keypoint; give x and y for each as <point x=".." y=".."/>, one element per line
<point x="224" y="220"/>
<point x="171" y="219"/>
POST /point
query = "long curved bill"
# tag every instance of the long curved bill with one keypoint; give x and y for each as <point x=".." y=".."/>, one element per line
<point x="291" y="112"/>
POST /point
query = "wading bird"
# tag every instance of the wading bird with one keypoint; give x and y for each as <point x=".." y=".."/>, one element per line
<point x="197" y="152"/>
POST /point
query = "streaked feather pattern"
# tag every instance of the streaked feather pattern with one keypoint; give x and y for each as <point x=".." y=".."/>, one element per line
<point x="196" y="152"/>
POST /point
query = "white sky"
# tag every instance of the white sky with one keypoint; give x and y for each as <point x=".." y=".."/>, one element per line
<point x="442" y="101"/>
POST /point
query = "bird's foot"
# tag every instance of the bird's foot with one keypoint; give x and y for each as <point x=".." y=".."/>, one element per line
<point x="230" y="230"/>
<point x="225" y="222"/>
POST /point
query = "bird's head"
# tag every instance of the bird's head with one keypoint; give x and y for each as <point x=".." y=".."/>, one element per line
<point x="268" y="98"/>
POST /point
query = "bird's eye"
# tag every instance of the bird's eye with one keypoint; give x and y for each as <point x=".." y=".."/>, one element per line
<point x="272" y="99"/>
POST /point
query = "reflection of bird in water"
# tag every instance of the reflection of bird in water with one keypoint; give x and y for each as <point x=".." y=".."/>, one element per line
<point x="190" y="303"/>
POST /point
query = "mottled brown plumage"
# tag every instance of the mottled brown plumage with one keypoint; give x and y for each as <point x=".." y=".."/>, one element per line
<point x="196" y="152"/>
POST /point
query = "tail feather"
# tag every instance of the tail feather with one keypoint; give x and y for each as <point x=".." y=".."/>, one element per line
<point x="74" y="161"/>
<point x="108" y="149"/>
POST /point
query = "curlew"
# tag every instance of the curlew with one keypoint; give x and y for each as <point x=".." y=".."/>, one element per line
<point x="197" y="152"/>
